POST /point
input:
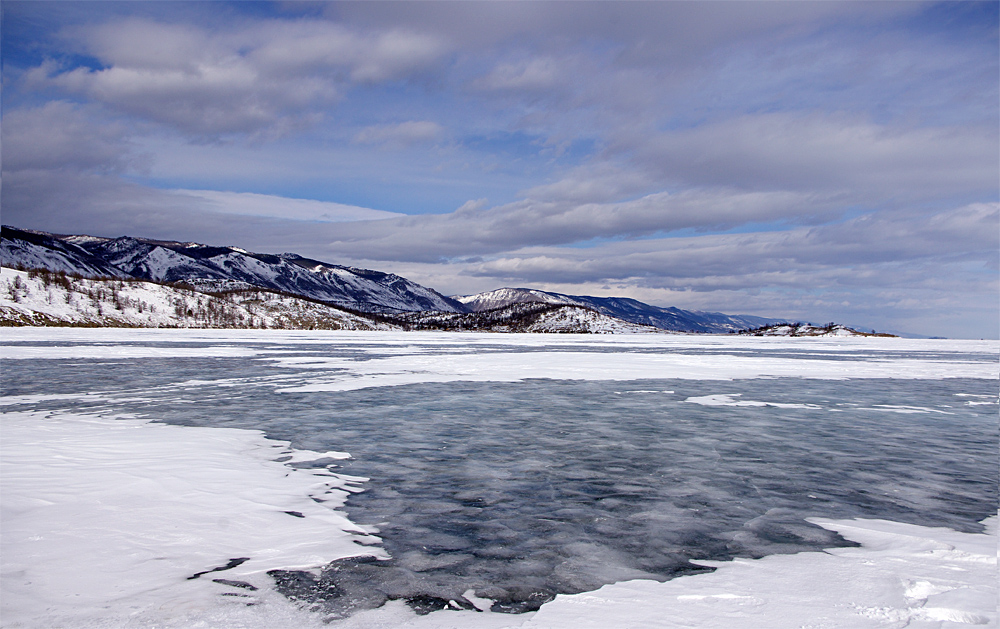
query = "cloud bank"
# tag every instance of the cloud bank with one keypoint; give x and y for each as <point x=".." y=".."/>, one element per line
<point x="815" y="160"/>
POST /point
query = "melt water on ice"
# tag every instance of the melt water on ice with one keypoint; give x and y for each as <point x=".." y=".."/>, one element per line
<point x="504" y="472"/>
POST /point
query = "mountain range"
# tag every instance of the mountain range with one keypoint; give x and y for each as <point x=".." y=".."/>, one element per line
<point x="394" y="300"/>
<point x="624" y="308"/>
<point x="219" y="268"/>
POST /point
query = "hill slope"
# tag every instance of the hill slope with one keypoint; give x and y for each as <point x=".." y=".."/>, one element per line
<point x="47" y="299"/>
<point x="219" y="268"/>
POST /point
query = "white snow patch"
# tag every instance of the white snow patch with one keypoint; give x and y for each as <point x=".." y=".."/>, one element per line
<point x="584" y="365"/>
<point x="304" y="456"/>
<point x="897" y="408"/>
<point x="903" y="575"/>
<point x="726" y="399"/>
<point x="105" y="520"/>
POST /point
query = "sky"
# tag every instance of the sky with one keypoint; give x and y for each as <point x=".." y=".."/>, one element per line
<point x="816" y="161"/>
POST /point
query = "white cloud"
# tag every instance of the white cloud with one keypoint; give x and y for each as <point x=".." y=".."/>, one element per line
<point x="404" y="133"/>
<point x="263" y="78"/>
<point x="539" y="74"/>
<point x="472" y="206"/>
<point x="593" y="183"/>
<point x="804" y="258"/>
<point x="826" y="152"/>
<point x="271" y="206"/>
<point x="530" y="222"/>
<point x="596" y="128"/>
<point x="60" y="135"/>
<point x="396" y="54"/>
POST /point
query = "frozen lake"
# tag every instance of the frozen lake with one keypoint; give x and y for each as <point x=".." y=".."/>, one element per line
<point x="516" y="468"/>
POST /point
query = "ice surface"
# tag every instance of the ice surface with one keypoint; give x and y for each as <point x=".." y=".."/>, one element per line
<point x="493" y="486"/>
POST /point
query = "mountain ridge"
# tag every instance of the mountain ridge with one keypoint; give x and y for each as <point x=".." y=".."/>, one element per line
<point x="625" y="308"/>
<point x="171" y="261"/>
<point x="44" y="298"/>
<point x="389" y="298"/>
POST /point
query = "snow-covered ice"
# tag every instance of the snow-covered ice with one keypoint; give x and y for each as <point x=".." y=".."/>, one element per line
<point x="902" y="576"/>
<point x="540" y="440"/>
<point x="104" y="518"/>
<point x="586" y="365"/>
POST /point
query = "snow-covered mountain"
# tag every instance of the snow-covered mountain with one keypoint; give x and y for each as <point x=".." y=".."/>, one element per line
<point x="630" y="310"/>
<point x="38" y="298"/>
<point x="219" y="268"/>
<point x="43" y="298"/>
<point x="39" y="250"/>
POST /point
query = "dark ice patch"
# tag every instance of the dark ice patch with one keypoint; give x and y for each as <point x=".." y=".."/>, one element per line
<point x="229" y="566"/>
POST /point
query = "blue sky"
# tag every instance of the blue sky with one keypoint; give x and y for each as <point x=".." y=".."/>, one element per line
<point x="811" y="160"/>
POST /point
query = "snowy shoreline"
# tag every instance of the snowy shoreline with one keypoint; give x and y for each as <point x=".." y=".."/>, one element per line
<point x="106" y="518"/>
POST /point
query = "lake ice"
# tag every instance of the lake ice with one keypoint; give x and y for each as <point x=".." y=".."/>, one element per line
<point x="502" y="471"/>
